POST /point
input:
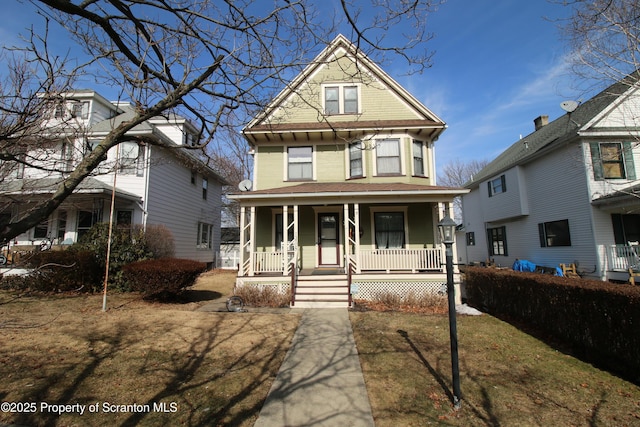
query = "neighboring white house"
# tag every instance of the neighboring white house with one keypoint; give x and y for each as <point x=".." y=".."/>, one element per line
<point x="566" y="193"/>
<point x="154" y="184"/>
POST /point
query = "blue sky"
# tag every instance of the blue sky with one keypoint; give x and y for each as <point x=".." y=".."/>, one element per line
<point x="498" y="64"/>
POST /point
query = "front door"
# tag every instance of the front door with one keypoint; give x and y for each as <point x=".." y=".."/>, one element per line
<point x="328" y="241"/>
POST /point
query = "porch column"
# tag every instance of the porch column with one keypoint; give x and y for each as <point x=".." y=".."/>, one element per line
<point x="285" y="240"/>
<point x="252" y="239"/>
<point x="241" y="255"/>
<point x="346" y="220"/>
<point x="295" y="236"/>
<point x="356" y="232"/>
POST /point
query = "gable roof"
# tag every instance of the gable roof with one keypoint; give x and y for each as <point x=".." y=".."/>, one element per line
<point x="341" y="47"/>
<point x="558" y="132"/>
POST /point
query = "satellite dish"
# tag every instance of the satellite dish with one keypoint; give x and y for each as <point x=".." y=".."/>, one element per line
<point x="245" y="185"/>
<point x="569" y="106"/>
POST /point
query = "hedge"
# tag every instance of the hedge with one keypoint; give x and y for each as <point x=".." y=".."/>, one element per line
<point x="599" y="320"/>
<point x="162" y="278"/>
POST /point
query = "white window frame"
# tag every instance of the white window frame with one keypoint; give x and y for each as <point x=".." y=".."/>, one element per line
<point x="341" y="98"/>
<point x="360" y="145"/>
<point x="401" y="143"/>
<point x="205" y="229"/>
<point x="423" y="158"/>
<point x="313" y="164"/>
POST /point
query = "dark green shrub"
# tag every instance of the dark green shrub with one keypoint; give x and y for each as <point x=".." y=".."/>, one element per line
<point x="127" y="245"/>
<point x="163" y="278"/>
<point x="60" y="271"/>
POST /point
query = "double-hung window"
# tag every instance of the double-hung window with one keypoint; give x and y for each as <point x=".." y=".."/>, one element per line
<point x="418" y="158"/>
<point x="388" y="157"/>
<point x="355" y="160"/>
<point x="131" y="161"/>
<point x="205" y="235"/>
<point x="300" y="163"/>
<point x="341" y="99"/>
<point x="497" y="186"/>
<point x="497" y="241"/>
<point x="612" y="160"/>
<point x="389" y="229"/>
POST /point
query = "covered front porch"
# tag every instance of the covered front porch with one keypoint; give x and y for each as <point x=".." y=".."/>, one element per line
<point x="355" y="246"/>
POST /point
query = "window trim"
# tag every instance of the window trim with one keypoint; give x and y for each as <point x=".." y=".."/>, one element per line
<point x="359" y="149"/>
<point x="546" y="237"/>
<point x="422" y="157"/>
<point x="342" y="99"/>
<point x="400" y="157"/>
<point x="205" y="187"/>
<point x="288" y="163"/>
<point x="500" y="235"/>
<point x="389" y="209"/>
<point x="492" y="188"/>
<point x="470" y="237"/>
<point x="200" y="242"/>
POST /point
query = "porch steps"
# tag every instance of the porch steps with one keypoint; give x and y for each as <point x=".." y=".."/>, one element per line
<point x="331" y="291"/>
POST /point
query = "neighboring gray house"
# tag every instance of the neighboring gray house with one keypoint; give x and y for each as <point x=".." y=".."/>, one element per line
<point x="154" y="184"/>
<point x="566" y="193"/>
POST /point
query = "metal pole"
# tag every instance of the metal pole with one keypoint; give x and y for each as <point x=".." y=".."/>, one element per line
<point x="113" y="202"/>
<point x="453" y="329"/>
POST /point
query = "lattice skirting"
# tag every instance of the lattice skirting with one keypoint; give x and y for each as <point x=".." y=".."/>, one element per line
<point x="368" y="290"/>
<point x="281" y="287"/>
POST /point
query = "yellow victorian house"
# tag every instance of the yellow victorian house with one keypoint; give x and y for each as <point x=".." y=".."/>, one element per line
<point x="343" y="201"/>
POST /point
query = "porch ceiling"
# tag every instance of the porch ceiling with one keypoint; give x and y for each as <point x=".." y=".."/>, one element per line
<point x="326" y="192"/>
<point x="90" y="186"/>
<point x="622" y="199"/>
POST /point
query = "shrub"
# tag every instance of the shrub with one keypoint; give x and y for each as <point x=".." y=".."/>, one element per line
<point x="159" y="241"/>
<point x="59" y="271"/>
<point x="410" y="302"/>
<point x="127" y="246"/>
<point x="162" y="279"/>
<point x="263" y="296"/>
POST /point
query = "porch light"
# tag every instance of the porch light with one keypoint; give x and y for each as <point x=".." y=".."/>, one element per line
<point x="447" y="229"/>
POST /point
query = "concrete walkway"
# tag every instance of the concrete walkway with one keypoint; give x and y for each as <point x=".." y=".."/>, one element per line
<point x="320" y="382"/>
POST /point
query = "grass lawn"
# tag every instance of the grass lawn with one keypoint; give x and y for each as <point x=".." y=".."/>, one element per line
<point x="179" y="365"/>
<point x="508" y="378"/>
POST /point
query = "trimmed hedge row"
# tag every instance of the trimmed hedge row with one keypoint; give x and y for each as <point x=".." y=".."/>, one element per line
<point x="600" y="320"/>
<point x="162" y="278"/>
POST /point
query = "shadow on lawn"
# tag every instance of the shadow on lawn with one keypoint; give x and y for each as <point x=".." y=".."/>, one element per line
<point x="182" y="378"/>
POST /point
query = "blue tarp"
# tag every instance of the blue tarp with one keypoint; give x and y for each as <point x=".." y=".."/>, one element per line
<point x="528" y="266"/>
<point x="524" y="265"/>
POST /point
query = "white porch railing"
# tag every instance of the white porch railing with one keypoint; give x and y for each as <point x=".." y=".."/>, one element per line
<point x="623" y="257"/>
<point x="267" y="262"/>
<point x="401" y="259"/>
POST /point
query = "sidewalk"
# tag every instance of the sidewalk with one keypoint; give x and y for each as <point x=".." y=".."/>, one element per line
<point x="320" y="382"/>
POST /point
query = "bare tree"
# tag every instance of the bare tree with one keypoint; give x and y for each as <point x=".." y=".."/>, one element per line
<point x="604" y="38"/>
<point x="457" y="173"/>
<point x="213" y="61"/>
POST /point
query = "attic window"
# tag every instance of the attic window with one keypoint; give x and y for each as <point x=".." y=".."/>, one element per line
<point x="341" y="99"/>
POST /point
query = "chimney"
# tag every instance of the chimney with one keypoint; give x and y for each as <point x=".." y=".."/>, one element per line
<point x="541" y="121"/>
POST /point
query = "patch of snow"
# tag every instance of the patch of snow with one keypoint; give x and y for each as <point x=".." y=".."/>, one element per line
<point x="465" y="309"/>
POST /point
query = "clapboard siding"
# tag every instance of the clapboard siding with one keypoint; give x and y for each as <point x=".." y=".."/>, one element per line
<point x="178" y="204"/>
